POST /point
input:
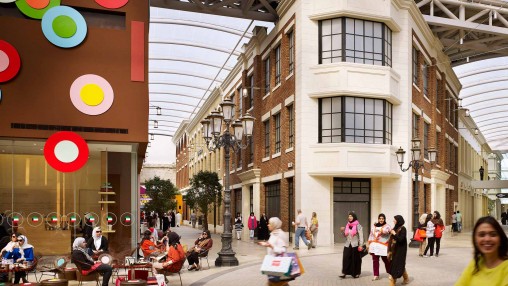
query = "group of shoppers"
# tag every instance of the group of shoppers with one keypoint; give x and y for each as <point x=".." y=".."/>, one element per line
<point x="431" y="230"/>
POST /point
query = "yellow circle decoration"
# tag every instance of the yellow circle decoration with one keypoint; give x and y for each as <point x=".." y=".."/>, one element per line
<point x="92" y="94"/>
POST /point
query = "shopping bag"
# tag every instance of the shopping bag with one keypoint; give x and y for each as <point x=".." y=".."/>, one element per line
<point x="423" y="233"/>
<point x="276" y="266"/>
<point x="417" y="236"/>
<point x="160" y="280"/>
<point x="295" y="265"/>
<point x="308" y="234"/>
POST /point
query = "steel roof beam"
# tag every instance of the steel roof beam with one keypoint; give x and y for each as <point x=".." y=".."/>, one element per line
<point x="196" y="45"/>
<point x="188" y="61"/>
<point x="200" y="25"/>
<point x="183" y="73"/>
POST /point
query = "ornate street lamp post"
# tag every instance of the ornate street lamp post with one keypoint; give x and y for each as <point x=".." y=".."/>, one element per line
<point x="416" y="164"/>
<point x="212" y="129"/>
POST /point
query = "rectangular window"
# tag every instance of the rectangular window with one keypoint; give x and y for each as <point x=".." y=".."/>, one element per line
<point x="272" y="197"/>
<point x="277" y="65"/>
<point x="239" y="158"/>
<point x="416" y="121"/>
<point x="251" y="150"/>
<point x="438" y="135"/>
<point x="436" y="93"/>
<point x="426" y="131"/>
<point x="238" y="200"/>
<point x="251" y="91"/>
<point x="415" y="66"/>
<point x="267" y="75"/>
<point x="355" y="120"/>
<point x="291" y="37"/>
<point x="232" y="97"/>
<point x="291" y="204"/>
<point x="267" y="138"/>
<point x="240" y="101"/>
<point x="277" y="132"/>
<point x="355" y="40"/>
<point x="425" y="73"/>
<point x="291" y="122"/>
<point x="251" y="198"/>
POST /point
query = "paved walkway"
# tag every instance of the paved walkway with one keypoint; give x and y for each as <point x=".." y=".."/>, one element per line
<point x="323" y="264"/>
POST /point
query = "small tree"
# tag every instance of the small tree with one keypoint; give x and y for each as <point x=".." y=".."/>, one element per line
<point x="205" y="191"/>
<point x="162" y="194"/>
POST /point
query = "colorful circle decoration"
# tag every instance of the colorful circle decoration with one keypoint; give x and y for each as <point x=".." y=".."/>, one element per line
<point x="64" y="27"/>
<point x="36" y="8"/>
<point x="66" y="151"/>
<point x="112" y="4"/>
<point x="35" y="219"/>
<point x="10" y="63"/>
<point x="126" y="219"/>
<point x="91" y="94"/>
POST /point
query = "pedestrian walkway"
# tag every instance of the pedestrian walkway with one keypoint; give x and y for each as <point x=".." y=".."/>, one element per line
<point x="323" y="264"/>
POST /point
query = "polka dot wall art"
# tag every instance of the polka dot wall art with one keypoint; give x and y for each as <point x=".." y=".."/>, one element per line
<point x="66" y="151"/>
<point x="91" y="94"/>
<point x="64" y="27"/>
<point x="36" y="8"/>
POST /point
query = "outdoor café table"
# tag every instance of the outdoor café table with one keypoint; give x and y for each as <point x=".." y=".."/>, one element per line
<point x="133" y="282"/>
<point x="11" y="268"/>
<point x="68" y="273"/>
<point x="133" y="267"/>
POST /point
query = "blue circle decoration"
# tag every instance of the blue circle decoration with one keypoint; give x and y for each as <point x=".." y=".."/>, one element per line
<point x="47" y="27"/>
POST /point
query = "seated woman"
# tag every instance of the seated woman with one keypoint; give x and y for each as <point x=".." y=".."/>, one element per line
<point x="97" y="244"/>
<point x="175" y="255"/>
<point x="20" y="251"/>
<point x="148" y="246"/>
<point x="201" y="245"/>
<point x="85" y="263"/>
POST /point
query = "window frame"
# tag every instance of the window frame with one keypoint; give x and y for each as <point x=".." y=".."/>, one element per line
<point x="266" y="63"/>
<point x="277" y="65"/>
<point x="277" y="146"/>
<point x="291" y="64"/>
<point x="267" y="137"/>
<point x="272" y="192"/>
<point x="291" y="122"/>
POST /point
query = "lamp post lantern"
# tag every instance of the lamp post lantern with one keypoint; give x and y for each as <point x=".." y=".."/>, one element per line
<point x="212" y="129"/>
<point x="416" y="164"/>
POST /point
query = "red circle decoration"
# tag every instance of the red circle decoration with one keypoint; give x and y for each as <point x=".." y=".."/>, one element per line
<point x="51" y="157"/>
<point x="112" y="4"/>
<point x="14" y="61"/>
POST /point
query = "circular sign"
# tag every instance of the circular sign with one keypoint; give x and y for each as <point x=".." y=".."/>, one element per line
<point x="10" y="63"/>
<point x="64" y="26"/>
<point x="66" y="151"/>
<point x="91" y="94"/>
<point x="36" y="8"/>
<point x="35" y="219"/>
<point x="112" y="4"/>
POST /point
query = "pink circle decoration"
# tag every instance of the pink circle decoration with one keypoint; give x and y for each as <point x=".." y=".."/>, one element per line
<point x="4" y="61"/>
<point x="13" y="63"/>
<point x="81" y="105"/>
<point x="112" y="4"/>
<point x="38" y="4"/>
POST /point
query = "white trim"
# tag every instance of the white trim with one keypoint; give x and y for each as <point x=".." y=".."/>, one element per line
<point x="417" y="109"/>
<point x="275" y="155"/>
<point x="427" y="118"/>
<point x="438" y="128"/>
<point x="417" y="88"/>
<point x="421" y="50"/>
<point x="289" y="100"/>
<point x="265" y="96"/>
<point x="231" y="172"/>
<point x="236" y="186"/>
<point x="276" y="43"/>
<point x="426" y="98"/>
<point x="276" y="109"/>
<point x="276" y="87"/>
<point x="271" y="178"/>
<point x="289" y="174"/>
<point x="291" y="74"/>
<point x="250" y="71"/>
<point x="265" y="116"/>
<point x="265" y="56"/>
<point x="290" y="27"/>
<point x="265" y="159"/>
<point x="239" y="168"/>
<point x="289" y="149"/>
<point x="250" y="165"/>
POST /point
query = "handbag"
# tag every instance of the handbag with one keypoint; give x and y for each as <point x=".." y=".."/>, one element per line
<point x="417" y="236"/>
<point x="313" y="228"/>
<point x="364" y="251"/>
<point x="308" y="234"/>
<point x="423" y="233"/>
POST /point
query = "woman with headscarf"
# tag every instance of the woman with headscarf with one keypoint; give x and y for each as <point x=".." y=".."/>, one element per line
<point x="148" y="246"/>
<point x="397" y="251"/>
<point x="201" y="245"/>
<point x="20" y="251"/>
<point x="175" y="255"/>
<point x="98" y="244"/>
<point x="86" y="264"/>
<point x="263" y="231"/>
<point x="352" y="259"/>
<point x="378" y="244"/>
<point x="10" y="245"/>
<point x="276" y="244"/>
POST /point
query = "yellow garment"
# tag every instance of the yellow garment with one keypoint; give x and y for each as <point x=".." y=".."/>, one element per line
<point x="497" y="276"/>
<point x="314" y="221"/>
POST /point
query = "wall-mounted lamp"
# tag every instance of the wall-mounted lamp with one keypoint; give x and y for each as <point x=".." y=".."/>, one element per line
<point x="245" y="90"/>
<point x="155" y="124"/>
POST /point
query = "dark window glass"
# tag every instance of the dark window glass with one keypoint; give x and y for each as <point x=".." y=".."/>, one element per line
<point x="291" y="139"/>
<point x="238" y="201"/>
<point x="291" y="207"/>
<point x="267" y="76"/>
<point x="415" y="66"/>
<point x="267" y="138"/>
<point x="277" y="132"/>
<point x="291" y="52"/>
<point x="251" y="150"/>
<point x="251" y="91"/>
<point x="356" y="41"/>
<point x="251" y="199"/>
<point x="425" y="74"/>
<point x="272" y="197"/>
<point x="416" y="120"/>
<point x="426" y="131"/>
<point x="277" y="65"/>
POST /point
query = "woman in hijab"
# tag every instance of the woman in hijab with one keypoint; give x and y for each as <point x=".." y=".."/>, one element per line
<point x="85" y="263"/>
<point x="276" y="244"/>
<point x="397" y="251"/>
<point x="352" y="259"/>
<point x="20" y="251"/>
<point x="10" y="246"/>
<point x="378" y="244"/>
<point x="263" y="231"/>
<point x="175" y="255"/>
<point x="98" y="244"/>
<point x="201" y="245"/>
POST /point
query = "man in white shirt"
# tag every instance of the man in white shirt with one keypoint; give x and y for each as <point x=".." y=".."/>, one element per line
<point x="301" y="225"/>
<point x="178" y="219"/>
<point x="458" y="216"/>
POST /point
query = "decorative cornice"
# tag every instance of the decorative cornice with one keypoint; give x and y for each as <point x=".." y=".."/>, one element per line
<point x="250" y="174"/>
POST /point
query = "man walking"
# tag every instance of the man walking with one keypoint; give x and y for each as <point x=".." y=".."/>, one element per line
<point x="459" y="221"/>
<point x="301" y="225"/>
<point x="193" y="219"/>
<point x="178" y="219"/>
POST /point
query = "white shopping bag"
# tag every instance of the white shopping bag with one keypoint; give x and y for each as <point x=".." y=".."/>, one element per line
<point x="160" y="280"/>
<point x="276" y="266"/>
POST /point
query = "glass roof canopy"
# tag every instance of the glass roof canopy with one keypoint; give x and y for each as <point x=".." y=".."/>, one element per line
<point x="189" y="55"/>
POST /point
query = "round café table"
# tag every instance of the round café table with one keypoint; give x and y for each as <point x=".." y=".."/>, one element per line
<point x="133" y="282"/>
<point x="68" y="273"/>
<point x="55" y="282"/>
